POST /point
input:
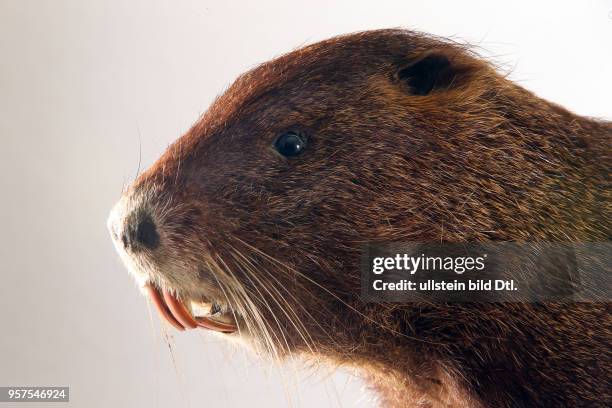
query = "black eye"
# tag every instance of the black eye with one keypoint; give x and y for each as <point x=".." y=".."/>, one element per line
<point x="290" y="144"/>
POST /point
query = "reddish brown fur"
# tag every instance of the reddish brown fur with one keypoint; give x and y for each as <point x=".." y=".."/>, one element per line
<point x="478" y="159"/>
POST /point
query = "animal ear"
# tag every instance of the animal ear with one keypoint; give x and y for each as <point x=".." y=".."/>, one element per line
<point x="430" y="71"/>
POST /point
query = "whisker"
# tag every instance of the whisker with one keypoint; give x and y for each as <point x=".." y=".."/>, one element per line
<point x="248" y="271"/>
<point x="263" y="299"/>
<point x="381" y="325"/>
<point x="302" y="328"/>
<point x="254" y="313"/>
<point x="139" y="152"/>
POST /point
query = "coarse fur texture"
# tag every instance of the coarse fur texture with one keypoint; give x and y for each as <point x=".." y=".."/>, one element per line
<point x="393" y="154"/>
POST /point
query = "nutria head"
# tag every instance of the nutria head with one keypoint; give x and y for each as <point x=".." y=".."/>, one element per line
<point x="262" y="208"/>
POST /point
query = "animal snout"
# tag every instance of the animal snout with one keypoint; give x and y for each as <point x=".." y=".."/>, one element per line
<point x="139" y="232"/>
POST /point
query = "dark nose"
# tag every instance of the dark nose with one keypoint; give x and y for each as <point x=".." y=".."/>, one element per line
<point x="140" y="232"/>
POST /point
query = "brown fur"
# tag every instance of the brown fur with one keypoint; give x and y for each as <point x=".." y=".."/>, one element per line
<point x="477" y="159"/>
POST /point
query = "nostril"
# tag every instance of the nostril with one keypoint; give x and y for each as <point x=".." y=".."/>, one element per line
<point x="146" y="233"/>
<point x="140" y="232"/>
<point x="125" y="239"/>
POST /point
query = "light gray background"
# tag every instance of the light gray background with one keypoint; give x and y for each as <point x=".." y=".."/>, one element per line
<point x="84" y="84"/>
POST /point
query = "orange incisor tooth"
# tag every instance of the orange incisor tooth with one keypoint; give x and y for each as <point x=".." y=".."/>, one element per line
<point x="161" y="306"/>
<point x="179" y="311"/>
<point x="211" y="324"/>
